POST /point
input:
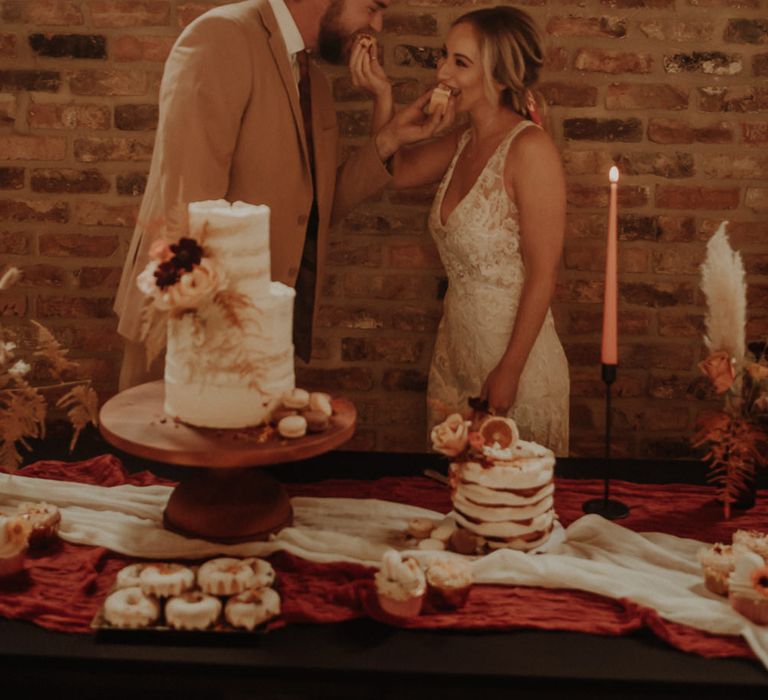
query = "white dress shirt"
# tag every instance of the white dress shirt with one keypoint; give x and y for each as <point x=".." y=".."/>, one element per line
<point x="291" y="36"/>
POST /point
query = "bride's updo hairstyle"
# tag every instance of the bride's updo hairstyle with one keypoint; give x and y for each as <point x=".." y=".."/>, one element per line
<point x="511" y="53"/>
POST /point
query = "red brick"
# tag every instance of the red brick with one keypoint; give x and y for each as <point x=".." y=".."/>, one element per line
<point x="7" y="110"/>
<point x="612" y="27"/>
<point x="736" y="99"/>
<point x="399" y="23"/>
<point x="732" y="166"/>
<point x="630" y="322"/>
<point x="646" y="96"/>
<point x="43" y="12"/>
<point x="11" y="178"/>
<point x="567" y="94"/>
<point x="93" y="149"/>
<point x="43" y="276"/>
<point x="587" y="383"/>
<point x="8" y="45"/>
<point x="339" y="317"/>
<point x="404" y="380"/>
<point x="389" y="286"/>
<point x="740" y="233"/>
<point x="746" y="31"/>
<point x="755" y="264"/>
<point x="354" y="253"/>
<point x="760" y="65"/>
<point x="413" y="255"/>
<point x="657" y="294"/>
<point x="679" y="131"/>
<point x="685" y="31"/>
<point x="34" y="210"/>
<point x="54" y="115"/>
<point x="659" y="418"/>
<point x="68" y="180"/>
<point x="108" y="82"/>
<point x="706" y="62"/>
<point x="366" y="222"/>
<point x="677" y="229"/>
<point x="354" y="123"/>
<point x="418" y="196"/>
<point x="681" y="197"/>
<point x="391" y="350"/>
<point x="597" y="196"/>
<point x="98" y="277"/>
<point x="755" y="134"/>
<point x="579" y="291"/>
<point x="756" y="198"/>
<point x="30" y="80"/>
<point x="344" y="379"/>
<point x="588" y="128"/>
<point x="142" y="48"/>
<point x="130" y="13"/>
<point x="408" y="318"/>
<point x="680" y="324"/>
<point x="667" y="164"/>
<point x="74" y="307"/>
<point x="131" y="184"/>
<point x="74" y="245"/>
<point x="92" y="213"/>
<point x="593" y="259"/>
<point x="13" y="304"/>
<point x="676" y="386"/>
<point x="81" y="46"/>
<point x="677" y="261"/>
<point x="190" y="11"/>
<point x="15" y="243"/>
<point x="605" y="61"/>
<point x="670" y="356"/>
<point x="18" y="147"/>
<point x="141" y="117"/>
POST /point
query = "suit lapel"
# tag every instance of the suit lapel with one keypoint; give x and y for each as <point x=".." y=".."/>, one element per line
<point x="280" y="55"/>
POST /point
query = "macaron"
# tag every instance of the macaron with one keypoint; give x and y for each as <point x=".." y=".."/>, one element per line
<point x="320" y="401"/>
<point x="292" y="427"/>
<point x="297" y="398"/>
<point x="317" y="421"/>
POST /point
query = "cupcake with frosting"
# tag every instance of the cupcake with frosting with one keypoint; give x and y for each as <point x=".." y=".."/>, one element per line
<point x="400" y="585"/>
<point x="754" y="540"/>
<point x="449" y="580"/>
<point x="717" y="562"/>
<point x="748" y="587"/>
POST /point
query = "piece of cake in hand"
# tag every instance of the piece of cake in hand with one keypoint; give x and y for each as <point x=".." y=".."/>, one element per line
<point x="439" y="98"/>
<point x="748" y="587"/>
<point x="449" y="580"/>
<point x="717" y="563"/>
<point x="400" y="585"/>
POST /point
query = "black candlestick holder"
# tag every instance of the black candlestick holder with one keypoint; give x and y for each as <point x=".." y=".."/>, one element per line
<point x="605" y="506"/>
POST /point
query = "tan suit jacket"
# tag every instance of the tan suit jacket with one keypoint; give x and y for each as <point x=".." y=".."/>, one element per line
<point x="231" y="127"/>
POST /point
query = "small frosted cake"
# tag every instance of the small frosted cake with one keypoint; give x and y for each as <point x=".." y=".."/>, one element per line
<point x="165" y="580"/>
<point x="717" y="562"/>
<point x="400" y="585"/>
<point x="748" y="587"/>
<point x="754" y="540"/>
<point x="449" y="581"/>
<point x="251" y="608"/>
<point x="225" y="576"/>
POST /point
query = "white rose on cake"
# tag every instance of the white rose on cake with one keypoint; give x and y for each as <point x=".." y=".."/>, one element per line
<point x="451" y="436"/>
<point x="193" y="288"/>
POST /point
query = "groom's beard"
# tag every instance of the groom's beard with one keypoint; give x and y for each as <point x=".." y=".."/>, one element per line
<point x="333" y="40"/>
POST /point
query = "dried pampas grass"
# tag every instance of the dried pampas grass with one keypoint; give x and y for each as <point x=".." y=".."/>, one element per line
<point x="722" y="281"/>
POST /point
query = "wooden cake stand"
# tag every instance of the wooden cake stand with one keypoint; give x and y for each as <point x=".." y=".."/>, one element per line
<point x="227" y="498"/>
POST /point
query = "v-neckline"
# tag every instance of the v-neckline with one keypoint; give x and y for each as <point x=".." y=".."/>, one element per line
<point x="444" y="221"/>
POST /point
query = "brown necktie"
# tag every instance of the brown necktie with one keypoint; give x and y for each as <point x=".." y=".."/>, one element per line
<point x="307" y="277"/>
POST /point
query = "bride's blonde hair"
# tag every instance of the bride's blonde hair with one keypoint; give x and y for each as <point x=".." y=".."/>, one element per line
<point x="511" y="53"/>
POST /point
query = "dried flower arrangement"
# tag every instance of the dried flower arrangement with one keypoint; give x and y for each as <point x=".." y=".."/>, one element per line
<point x="23" y="406"/>
<point x="184" y="280"/>
<point x="736" y="435"/>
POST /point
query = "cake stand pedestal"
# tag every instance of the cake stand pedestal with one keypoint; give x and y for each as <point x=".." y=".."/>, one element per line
<point x="226" y="497"/>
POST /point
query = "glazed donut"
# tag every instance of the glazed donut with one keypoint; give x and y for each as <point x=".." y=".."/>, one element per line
<point x="166" y="579"/>
<point x="263" y="573"/>
<point x="252" y="608"/>
<point x="129" y="576"/>
<point x="225" y="576"/>
<point x="193" y="610"/>
<point x="130" y="607"/>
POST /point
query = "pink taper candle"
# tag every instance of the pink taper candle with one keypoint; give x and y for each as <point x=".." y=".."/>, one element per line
<point x="610" y="353"/>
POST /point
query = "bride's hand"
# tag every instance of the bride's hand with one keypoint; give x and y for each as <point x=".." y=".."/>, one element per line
<point x="500" y="389"/>
<point x="366" y="70"/>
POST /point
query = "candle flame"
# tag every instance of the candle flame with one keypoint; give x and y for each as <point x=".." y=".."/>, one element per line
<point x="613" y="174"/>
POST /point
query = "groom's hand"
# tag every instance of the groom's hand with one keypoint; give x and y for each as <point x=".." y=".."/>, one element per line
<point x="411" y="124"/>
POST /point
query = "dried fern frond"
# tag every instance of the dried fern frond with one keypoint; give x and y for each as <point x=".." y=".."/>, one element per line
<point x="234" y="307"/>
<point x="722" y="281"/>
<point x="51" y="351"/>
<point x="83" y="404"/>
<point x="734" y="453"/>
<point x="22" y="416"/>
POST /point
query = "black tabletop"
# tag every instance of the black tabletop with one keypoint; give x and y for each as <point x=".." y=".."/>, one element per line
<point x="366" y="659"/>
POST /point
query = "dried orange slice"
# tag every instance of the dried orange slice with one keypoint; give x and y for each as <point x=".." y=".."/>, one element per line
<point x="497" y="429"/>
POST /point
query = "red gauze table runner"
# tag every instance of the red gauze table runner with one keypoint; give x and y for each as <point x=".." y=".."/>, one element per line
<point x="63" y="587"/>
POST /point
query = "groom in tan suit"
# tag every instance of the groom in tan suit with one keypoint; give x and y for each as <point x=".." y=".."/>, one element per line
<point x="231" y="126"/>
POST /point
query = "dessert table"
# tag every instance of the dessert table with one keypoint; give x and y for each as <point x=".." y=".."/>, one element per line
<point x="363" y="657"/>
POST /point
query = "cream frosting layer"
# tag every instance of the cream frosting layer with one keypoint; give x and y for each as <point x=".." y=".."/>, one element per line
<point x="495" y="513"/>
<point x="221" y="373"/>
<point x="508" y="529"/>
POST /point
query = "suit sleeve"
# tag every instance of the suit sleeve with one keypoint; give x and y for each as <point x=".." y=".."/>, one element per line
<point x="204" y="92"/>
<point x="360" y="176"/>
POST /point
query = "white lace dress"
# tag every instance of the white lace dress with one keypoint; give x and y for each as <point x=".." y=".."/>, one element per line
<point x="479" y="246"/>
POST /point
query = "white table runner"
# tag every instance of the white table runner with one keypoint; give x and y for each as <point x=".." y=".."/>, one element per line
<point x="653" y="569"/>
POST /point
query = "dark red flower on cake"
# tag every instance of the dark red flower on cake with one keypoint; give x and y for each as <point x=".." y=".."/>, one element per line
<point x="166" y="274"/>
<point x="760" y="580"/>
<point x="186" y="254"/>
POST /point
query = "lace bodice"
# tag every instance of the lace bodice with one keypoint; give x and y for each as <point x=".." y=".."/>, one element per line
<point x="480" y="240"/>
<point x="479" y="245"/>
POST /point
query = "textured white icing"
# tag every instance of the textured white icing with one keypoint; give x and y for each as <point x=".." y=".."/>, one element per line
<point x="399" y="579"/>
<point x="508" y="529"/>
<point x="501" y="513"/>
<point x="216" y="375"/>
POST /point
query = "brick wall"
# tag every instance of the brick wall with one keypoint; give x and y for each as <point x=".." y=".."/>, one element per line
<point x="674" y="91"/>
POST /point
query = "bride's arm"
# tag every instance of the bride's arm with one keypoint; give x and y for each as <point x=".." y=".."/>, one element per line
<point x="534" y="180"/>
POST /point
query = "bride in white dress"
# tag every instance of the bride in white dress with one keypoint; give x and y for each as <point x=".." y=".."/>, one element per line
<point x="498" y="221"/>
